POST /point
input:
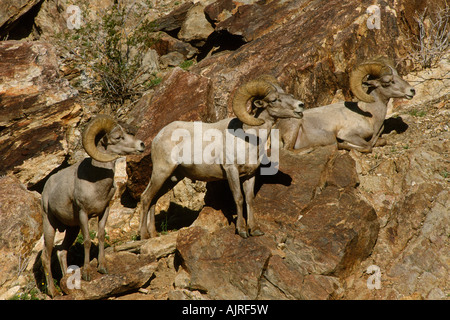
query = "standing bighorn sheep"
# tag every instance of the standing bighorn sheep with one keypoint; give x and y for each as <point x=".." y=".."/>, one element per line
<point x="267" y="103"/>
<point x="83" y="191"/>
<point x="352" y="125"/>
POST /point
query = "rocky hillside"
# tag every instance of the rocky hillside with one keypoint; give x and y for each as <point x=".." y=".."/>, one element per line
<point x="338" y="224"/>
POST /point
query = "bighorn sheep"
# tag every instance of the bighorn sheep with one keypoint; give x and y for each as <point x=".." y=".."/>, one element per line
<point x="83" y="191"/>
<point x="267" y="103"/>
<point x="352" y="125"/>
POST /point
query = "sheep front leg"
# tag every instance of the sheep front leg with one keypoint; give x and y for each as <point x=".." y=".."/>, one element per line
<point x="101" y="242"/>
<point x="84" y="219"/>
<point x="355" y="142"/>
<point x="249" y="186"/>
<point x="376" y="140"/>
<point x="235" y="186"/>
<point x="46" y="255"/>
<point x="289" y="129"/>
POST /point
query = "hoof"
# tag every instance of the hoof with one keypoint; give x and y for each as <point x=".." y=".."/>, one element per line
<point x="51" y="291"/>
<point x="256" y="233"/>
<point x="144" y="235"/>
<point x="85" y="276"/>
<point x="243" y="234"/>
<point x="381" y="142"/>
<point x="102" y="270"/>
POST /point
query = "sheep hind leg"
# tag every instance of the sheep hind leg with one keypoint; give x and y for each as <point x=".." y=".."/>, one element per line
<point x="84" y="224"/>
<point x="101" y="242"/>
<point x="69" y="238"/>
<point x="148" y="208"/>
<point x="158" y="185"/>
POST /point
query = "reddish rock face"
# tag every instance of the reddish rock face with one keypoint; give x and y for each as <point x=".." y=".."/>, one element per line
<point x="229" y="269"/>
<point x="37" y="107"/>
<point x="182" y="96"/>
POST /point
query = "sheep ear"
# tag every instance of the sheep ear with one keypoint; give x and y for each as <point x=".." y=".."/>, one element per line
<point x="116" y="131"/>
<point x="260" y="104"/>
<point x="387" y="78"/>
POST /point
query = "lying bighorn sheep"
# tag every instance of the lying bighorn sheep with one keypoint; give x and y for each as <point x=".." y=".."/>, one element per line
<point x="268" y="102"/>
<point x="83" y="191"/>
<point x="352" y="125"/>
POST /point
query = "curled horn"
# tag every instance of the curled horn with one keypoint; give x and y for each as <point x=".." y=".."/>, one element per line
<point x="375" y="68"/>
<point x="248" y="92"/>
<point x="100" y="124"/>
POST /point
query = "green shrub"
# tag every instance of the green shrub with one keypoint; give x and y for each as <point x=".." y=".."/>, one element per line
<point x="109" y="52"/>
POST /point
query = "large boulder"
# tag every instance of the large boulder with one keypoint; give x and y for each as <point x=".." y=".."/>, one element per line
<point x="37" y="110"/>
<point x="21" y="228"/>
<point x="317" y="230"/>
<point x="126" y="272"/>
<point x="221" y="263"/>
<point x="195" y="28"/>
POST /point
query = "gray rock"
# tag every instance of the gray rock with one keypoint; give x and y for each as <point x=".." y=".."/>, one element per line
<point x="126" y="272"/>
<point x="195" y="27"/>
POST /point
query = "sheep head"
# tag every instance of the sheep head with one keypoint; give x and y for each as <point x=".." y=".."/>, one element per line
<point x="381" y="75"/>
<point x="377" y="68"/>
<point x="113" y="136"/>
<point x="265" y="92"/>
<point x="250" y="91"/>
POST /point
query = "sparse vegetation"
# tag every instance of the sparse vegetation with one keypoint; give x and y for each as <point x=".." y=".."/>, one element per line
<point x="432" y="40"/>
<point x="92" y="235"/>
<point x="32" y="294"/>
<point x="417" y="113"/>
<point x="164" y="225"/>
<point x="186" y="64"/>
<point x="110" y="52"/>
